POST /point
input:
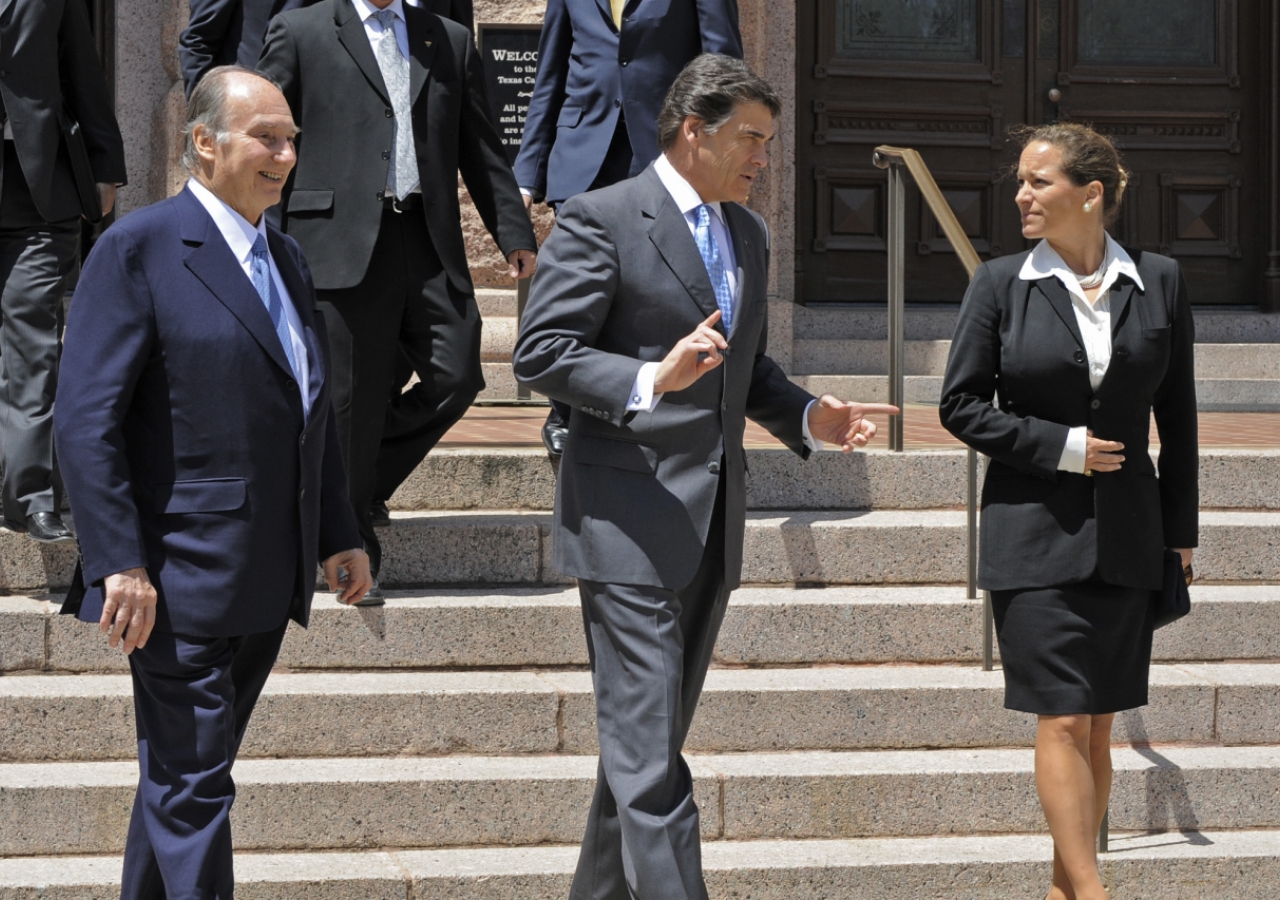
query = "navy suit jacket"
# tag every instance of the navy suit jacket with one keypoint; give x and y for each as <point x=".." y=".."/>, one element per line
<point x="589" y="72"/>
<point x="180" y="428"/>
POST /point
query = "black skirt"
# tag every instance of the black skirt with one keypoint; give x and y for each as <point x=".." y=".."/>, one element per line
<point x="1074" y="648"/>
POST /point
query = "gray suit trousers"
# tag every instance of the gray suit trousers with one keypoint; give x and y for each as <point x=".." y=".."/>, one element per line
<point x="36" y="261"/>
<point x="649" y="649"/>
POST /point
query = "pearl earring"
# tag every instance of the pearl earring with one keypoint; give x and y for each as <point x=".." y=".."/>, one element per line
<point x="1088" y="207"/>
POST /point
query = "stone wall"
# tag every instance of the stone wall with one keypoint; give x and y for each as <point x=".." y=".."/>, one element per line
<point x="151" y="109"/>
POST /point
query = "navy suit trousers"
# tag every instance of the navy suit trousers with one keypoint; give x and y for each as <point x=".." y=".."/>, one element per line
<point x="192" y="697"/>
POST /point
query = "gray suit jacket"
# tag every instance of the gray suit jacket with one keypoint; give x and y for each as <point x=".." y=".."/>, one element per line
<point x="619" y="282"/>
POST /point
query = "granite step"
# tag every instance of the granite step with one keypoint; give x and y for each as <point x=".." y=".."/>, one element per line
<point x="542" y="627"/>
<point x="522" y="478"/>
<point x="938" y="323"/>
<point x="90" y="717"/>
<point x="1194" y="865"/>
<point x="826" y="356"/>
<point x="1212" y="394"/>
<point x="364" y="803"/>
<point x="437" y="548"/>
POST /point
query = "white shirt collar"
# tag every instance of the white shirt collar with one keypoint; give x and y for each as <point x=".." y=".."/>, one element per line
<point x="238" y="232"/>
<point x="365" y="9"/>
<point x="1044" y="262"/>
<point x="681" y="191"/>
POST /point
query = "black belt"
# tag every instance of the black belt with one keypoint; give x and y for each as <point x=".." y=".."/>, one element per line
<point x="413" y="201"/>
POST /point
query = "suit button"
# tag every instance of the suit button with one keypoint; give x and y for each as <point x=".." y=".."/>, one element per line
<point x="1095" y="404"/>
<point x="1078" y="356"/>
<point x="302" y="494"/>
<point x="302" y="441"/>
<point x="713" y="467"/>
<point x="625" y="61"/>
<point x="390" y="112"/>
<point x="724" y="407"/>
<point x="291" y="385"/>
<point x="617" y="103"/>
<point x="386" y="154"/>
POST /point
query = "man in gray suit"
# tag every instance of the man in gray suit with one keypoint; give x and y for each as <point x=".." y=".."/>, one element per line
<point x="648" y="317"/>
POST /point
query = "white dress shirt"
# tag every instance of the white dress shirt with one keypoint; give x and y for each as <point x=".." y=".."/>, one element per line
<point x="643" y="398"/>
<point x="1094" y="320"/>
<point x="240" y="236"/>
<point x="374" y="32"/>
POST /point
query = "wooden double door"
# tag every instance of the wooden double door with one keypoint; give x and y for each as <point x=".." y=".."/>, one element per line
<point x="1176" y="84"/>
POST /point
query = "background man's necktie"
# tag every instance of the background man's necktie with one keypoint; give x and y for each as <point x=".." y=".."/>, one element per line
<point x="402" y="177"/>
<point x="260" y="266"/>
<point x="617" y="6"/>
<point x="715" y="266"/>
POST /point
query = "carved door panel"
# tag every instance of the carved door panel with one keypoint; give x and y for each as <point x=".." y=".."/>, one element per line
<point x="1171" y="81"/>
<point x="1175" y="84"/>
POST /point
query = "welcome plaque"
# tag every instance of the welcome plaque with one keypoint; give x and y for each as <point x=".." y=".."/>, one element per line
<point x="510" y="54"/>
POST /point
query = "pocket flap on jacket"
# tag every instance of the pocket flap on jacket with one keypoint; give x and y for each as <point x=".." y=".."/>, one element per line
<point x="310" y="201"/>
<point x="570" y="116"/>
<point x="205" y="495"/>
<point x="599" y="451"/>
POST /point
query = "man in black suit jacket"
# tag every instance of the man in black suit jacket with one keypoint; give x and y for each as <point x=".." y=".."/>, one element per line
<point x="390" y="113"/>
<point x="48" y="65"/>
<point x="221" y="32"/>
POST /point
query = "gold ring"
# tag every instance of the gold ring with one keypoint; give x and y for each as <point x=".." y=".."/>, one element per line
<point x="1088" y="472"/>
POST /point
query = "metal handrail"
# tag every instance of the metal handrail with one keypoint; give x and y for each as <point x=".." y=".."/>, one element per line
<point x="893" y="158"/>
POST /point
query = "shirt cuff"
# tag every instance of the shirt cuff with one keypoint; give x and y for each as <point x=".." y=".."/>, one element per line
<point x="642" y="398"/>
<point x="809" y="440"/>
<point x="1075" y="451"/>
<point x="526" y="192"/>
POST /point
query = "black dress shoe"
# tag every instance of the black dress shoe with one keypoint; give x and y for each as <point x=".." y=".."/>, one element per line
<point x="554" y="435"/>
<point x="48" y="528"/>
<point x="379" y="514"/>
<point x="373" y="596"/>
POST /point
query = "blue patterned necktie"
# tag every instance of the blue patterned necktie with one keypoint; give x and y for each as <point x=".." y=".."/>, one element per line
<point x="715" y="266"/>
<point x="402" y="177"/>
<point x="266" y="286"/>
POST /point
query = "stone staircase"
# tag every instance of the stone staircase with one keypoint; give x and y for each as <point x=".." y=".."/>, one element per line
<point x="848" y="744"/>
<point x="845" y="351"/>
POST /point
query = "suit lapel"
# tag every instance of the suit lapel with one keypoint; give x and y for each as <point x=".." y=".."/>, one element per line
<point x="1054" y="291"/>
<point x="211" y="261"/>
<point x="352" y="36"/>
<point x="422" y="50"/>
<point x="300" y="296"/>
<point x="607" y="9"/>
<point x="4" y="5"/>
<point x="670" y="234"/>
<point x="1121" y="294"/>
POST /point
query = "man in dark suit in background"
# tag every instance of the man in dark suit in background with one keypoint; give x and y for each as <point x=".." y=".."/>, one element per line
<point x="199" y="447"/>
<point x="48" y="65"/>
<point x="392" y="106"/>
<point x="649" y="317"/>
<point x="603" y="68"/>
<point x="220" y="32"/>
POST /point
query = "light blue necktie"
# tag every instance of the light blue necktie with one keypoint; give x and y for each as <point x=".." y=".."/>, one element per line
<point x="715" y="266"/>
<point x="260" y="266"/>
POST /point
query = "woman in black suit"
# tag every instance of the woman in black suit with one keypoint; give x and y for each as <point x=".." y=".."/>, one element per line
<point x="1081" y="340"/>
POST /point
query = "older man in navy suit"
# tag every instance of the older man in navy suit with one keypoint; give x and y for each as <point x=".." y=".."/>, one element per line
<point x="199" y="450"/>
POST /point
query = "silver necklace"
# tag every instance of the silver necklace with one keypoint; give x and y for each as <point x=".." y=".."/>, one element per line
<point x="1088" y="282"/>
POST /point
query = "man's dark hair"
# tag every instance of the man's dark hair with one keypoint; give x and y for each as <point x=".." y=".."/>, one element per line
<point x="208" y="107"/>
<point x="710" y="88"/>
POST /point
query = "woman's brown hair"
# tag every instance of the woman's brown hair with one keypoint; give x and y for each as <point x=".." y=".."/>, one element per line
<point x="1086" y="156"/>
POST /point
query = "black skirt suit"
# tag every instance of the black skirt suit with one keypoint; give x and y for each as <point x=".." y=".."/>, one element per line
<point x="1071" y="560"/>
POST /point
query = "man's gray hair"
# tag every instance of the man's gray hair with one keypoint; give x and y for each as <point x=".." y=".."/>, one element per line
<point x="208" y="107"/>
<point x="710" y="88"/>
